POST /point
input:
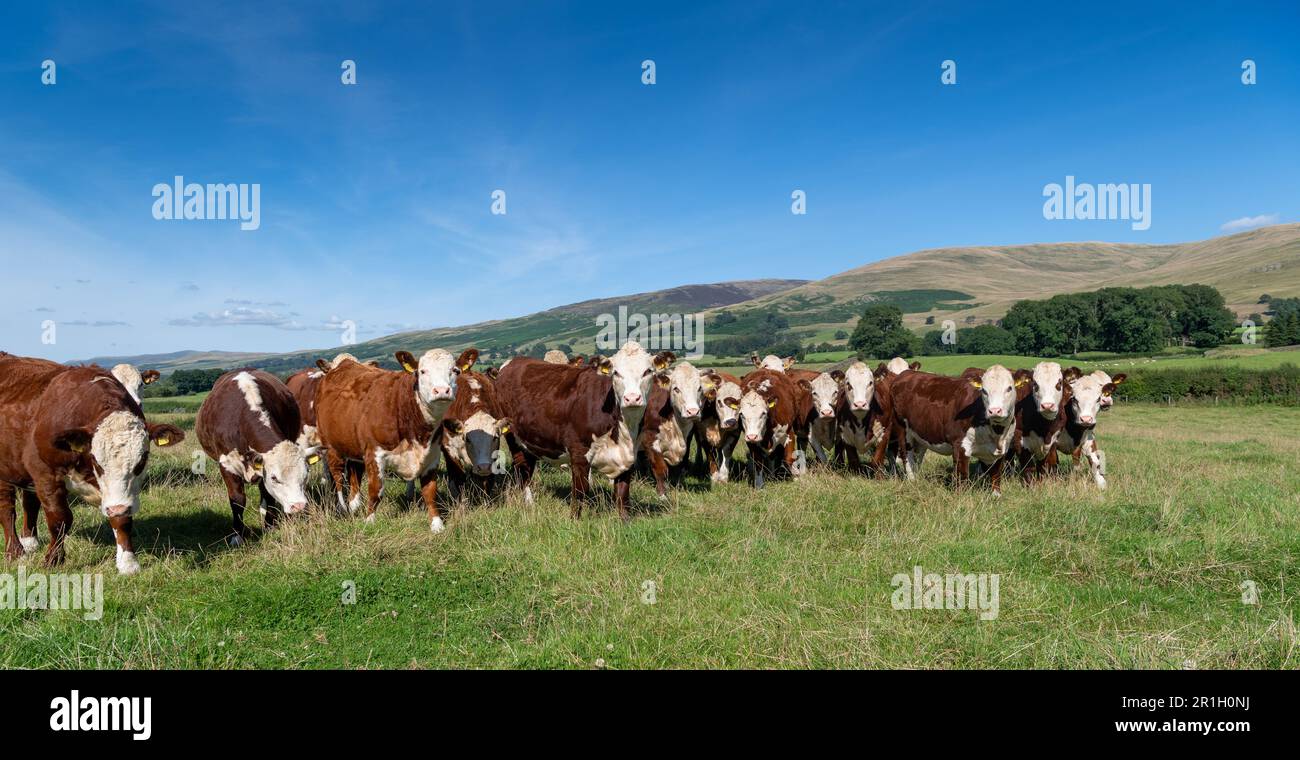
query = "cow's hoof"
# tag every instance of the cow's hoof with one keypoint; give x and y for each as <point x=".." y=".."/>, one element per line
<point x="528" y="495"/>
<point x="1101" y="484"/>
<point x="370" y="518"/>
<point x="30" y="544"/>
<point x="127" y="564"/>
<point x="436" y="525"/>
<point x="235" y="540"/>
<point x="997" y="494"/>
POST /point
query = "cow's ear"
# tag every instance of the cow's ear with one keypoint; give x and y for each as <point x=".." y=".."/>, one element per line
<point x="603" y="365"/>
<point x="803" y="383"/>
<point x="1071" y="374"/>
<point x="880" y="371"/>
<point x="150" y="375"/>
<point x="323" y="365"/>
<point x="164" y="435"/>
<point x="787" y="362"/>
<point x="491" y="373"/>
<point x="664" y="358"/>
<point x="837" y="375"/>
<point x="975" y="382"/>
<point x="754" y="360"/>
<point x="1107" y="389"/>
<point x="732" y="402"/>
<point x="406" y="361"/>
<point x="455" y="427"/>
<point x="771" y="403"/>
<point x="76" y="440"/>
<point x="311" y="454"/>
<point x="503" y="426"/>
<point x="711" y="394"/>
<point x="1117" y="379"/>
<point x="663" y="380"/>
<point x="914" y="366"/>
<point x="257" y="461"/>
<point x="1022" y="376"/>
<point x="467" y="359"/>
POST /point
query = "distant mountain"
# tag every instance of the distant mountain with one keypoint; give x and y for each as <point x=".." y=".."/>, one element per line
<point x="177" y="360"/>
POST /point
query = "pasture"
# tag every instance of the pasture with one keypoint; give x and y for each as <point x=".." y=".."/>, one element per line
<point x="1148" y="574"/>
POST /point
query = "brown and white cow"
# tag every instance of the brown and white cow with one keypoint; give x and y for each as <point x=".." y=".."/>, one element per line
<point x="474" y="424"/>
<point x="1108" y="399"/>
<point x="865" y="416"/>
<point x="898" y="365"/>
<point x="71" y="429"/>
<point x="967" y="417"/>
<point x="133" y="379"/>
<point x="250" y="425"/>
<point x="388" y="420"/>
<point x="589" y="420"/>
<point x="670" y="420"/>
<point x="1040" y="417"/>
<point x="767" y="415"/>
<point x="1079" y="435"/>
<point x="718" y="430"/>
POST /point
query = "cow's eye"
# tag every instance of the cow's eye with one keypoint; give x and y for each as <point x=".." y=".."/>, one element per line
<point x="646" y="373"/>
<point x="1008" y="389"/>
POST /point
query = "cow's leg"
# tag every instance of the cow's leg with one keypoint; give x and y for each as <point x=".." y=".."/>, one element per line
<point x="1025" y="458"/>
<point x="8" y="516"/>
<point x="31" y="513"/>
<point x="580" y="479"/>
<point x="410" y="494"/>
<point x="374" y="486"/>
<point x="127" y="564"/>
<point x="58" y="518"/>
<point x="337" y="466"/>
<point x="878" y="456"/>
<point x="429" y="491"/>
<point x="660" y="468"/>
<point x="995" y="475"/>
<point x="790" y="449"/>
<point x="1050" y="463"/>
<point x="622" y="491"/>
<point x="456" y="477"/>
<point x="270" y="509"/>
<point x="960" y="464"/>
<point x="235" y="494"/>
<point x="525" y="464"/>
<point x="355" y="470"/>
<point x="755" y="463"/>
<point x="1094" y="463"/>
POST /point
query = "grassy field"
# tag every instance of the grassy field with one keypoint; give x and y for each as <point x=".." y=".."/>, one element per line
<point x="1148" y="574"/>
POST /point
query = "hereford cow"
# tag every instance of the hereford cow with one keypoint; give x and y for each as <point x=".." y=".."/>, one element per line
<point x="71" y="428"/>
<point x="718" y="430"/>
<point x="133" y="379"/>
<point x="767" y="412"/>
<point x="670" y="420"/>
<point x="1079" y="435"/>
<point x="865" y="416"/>
<point x="250" y="425"/>
<point x="389" y="420"/>
<point x="1040" y="417"/>
<point x="1108" y="399"/>
<point x="474" y="424"/>
<point x="590" y="420"/>
<point x="965" y="417"/>
<point x="898" y="365"/>
<point x="823" y="393"/>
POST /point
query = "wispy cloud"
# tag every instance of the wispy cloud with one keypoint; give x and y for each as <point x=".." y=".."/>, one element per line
<point x="249" y="317"/>
<point x="1249" y="223"/>
<point x="97" y="323"/>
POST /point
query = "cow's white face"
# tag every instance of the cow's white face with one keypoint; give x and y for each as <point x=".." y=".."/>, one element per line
<point x="859" y="388"/>
<point x="1106" y="400"/>
<point x="997" y="389"/>
<point x="825" y="391"/>
<point x="632" y="371"/>
<point x="897" y="366"/>
<point x="686" y="391"/>
<point x="753" y="416"/>
<point x="437" y="373"/>
<point x="130" y="379"/>
<point x="727" y="404"/>
<point x="772" y="361"/>
<point x="1049" y="386"/>
<point x="1088" y="393"/>
<point x="119" y="450"/>
<point x="284" y="472"/>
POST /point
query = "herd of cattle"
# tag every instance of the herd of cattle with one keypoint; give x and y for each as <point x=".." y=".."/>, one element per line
<point x="81" y="429"/>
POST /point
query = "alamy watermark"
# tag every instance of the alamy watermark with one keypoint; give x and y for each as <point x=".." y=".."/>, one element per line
<point x="190" y="201"/>
<point x="53" y="591"/>
<point x="1110" y="201"/>
<point x="681" y="333"/>
<point x="954" y="591"/>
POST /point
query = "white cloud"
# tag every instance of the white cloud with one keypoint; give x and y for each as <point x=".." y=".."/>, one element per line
<point x="1249" y="223"/>
<point x="246" y="317"/>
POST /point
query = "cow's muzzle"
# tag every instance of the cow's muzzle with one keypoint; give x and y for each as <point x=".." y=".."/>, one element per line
<point x="117" y="510"/>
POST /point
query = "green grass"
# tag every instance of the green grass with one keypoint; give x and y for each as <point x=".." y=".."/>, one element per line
<point x="1146" y="574"/>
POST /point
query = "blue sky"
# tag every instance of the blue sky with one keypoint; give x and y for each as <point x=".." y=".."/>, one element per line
<point x="376" y="198"/>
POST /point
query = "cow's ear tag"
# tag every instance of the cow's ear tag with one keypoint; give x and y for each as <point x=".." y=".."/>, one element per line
<point x="771" y="404"/>
<point x="257" y="466"/>
<point x="465" y="367"/>
<point x="313" y="459"/>
<point x="505" y="428"/>
<point x="976" y="384"/>
<point x="1020" y="383"/>
<point x="604" y="370"/>
<point x="408" y="367"/>
<point x="78" y="448"/>
<point x="163" y="441"/>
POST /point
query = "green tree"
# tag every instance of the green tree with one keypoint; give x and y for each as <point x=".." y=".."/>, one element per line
<point x="880" y="333"/>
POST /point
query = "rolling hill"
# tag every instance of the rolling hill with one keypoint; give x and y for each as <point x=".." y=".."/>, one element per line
<point x="969" y="285"/>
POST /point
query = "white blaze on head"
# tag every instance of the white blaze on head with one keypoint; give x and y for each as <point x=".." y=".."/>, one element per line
<point x="1088" y="393"/>
<point x="859" y="388"/>
<point x="686" y="391"/>
<point x="119" y="447"/>
<point x="727" y="403"/>
<point x="998" y="392"/>
<point x="631" y="370"/>
<point x="753" y="416"/>
<point x="284" y="471"/>
<point x="1049" y="386"/>
<point x="897" y="366"/>
<point x="130" y="379"/>
<point x="437" y="377"/>
<point x="825" y="390"/>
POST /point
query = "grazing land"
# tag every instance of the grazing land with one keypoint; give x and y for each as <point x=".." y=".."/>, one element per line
<point x="1204" y="501"/>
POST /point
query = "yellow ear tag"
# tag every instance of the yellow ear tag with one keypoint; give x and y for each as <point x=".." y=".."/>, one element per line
<point x="505" y="429"/>
<point x="257" y="466"/>
<point x="313" y="459"/>
<point x="771" y="403"/>
<point x="977" y="383"/>
<point x="707" y="385"/>
<point x="465" y="367"/>
<point x="164" y="441"/>
<point x="604" y="370"/>
<point x="1021" y="382"/>
<point x="408" y="368"/>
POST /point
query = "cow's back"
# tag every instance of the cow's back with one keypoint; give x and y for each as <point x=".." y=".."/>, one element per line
<point x="358" y="406"/>
<point x="551" y="404"/>
<point x="22" y="382"/>
<point x="933" y="406"/>
<point x="227" y="420"/>
<point x="303" y="384"/>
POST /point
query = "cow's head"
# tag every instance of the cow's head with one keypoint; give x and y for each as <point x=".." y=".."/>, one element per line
<point x="859" y="388"/>
<point x="686" y="391"/>
<point x="998" y="392"/>
<point x="133" y="379"/>
<point x="435" y="374"/>
<point x="480" y="437"/>
<point x="1108" y="399"/>
<point x="632" y="370"/>
<point x="898" y="365"/>
<point x="725" y="397"/>
<point x="113" y="455"/>
<point x="825" y="392"/>
<point x="1089" y="393"/>
<point x="283" y="471"/>
<point x="1050" y="386"/>
<point x="578" y="360"/>
<point x="754" y="410"/>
